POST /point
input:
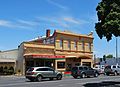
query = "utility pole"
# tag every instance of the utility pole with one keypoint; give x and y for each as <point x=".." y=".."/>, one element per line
<point x="116" y="51"/>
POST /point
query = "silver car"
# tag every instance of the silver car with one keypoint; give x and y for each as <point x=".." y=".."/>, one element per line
<point x="38" y="73"/>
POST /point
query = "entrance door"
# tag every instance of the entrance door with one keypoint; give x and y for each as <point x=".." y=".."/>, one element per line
<point x="29" y="64"/>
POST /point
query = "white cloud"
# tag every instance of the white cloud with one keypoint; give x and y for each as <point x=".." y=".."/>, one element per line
<point x="5" y="23"/>
<point x="23" y="24"/>
<point x="29" y="23"/>
<point x="63" y="21"/>
<point x="57" y="4"/>
<point x="72" y="20"/>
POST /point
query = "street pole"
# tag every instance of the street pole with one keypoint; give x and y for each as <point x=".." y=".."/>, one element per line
<point x="116" y="50"/>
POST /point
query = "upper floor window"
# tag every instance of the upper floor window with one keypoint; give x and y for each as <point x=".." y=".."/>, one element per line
<point x="89" y="45"/>
<point x="52" y="40"/>
<point x="75" y="45"/>
<point x="61" y="43"/>
<point x="44" y="41"/>
<point x="69" y="44"/>
<point x="83" y="45"/>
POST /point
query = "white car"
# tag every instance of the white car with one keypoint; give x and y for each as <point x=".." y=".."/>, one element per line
<point x="112" y="69"/>
<point x="38" y="73"/>
<point x="100" y="68"/>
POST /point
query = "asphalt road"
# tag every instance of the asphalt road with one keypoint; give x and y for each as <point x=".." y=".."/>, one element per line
<point x="101" y="81"/>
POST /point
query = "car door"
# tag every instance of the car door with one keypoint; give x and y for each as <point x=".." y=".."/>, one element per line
<point x="43" y="72"/>
<point x="51" y="72"/>
<point x="90" y="71"/>
<point x="118" y="67"/>
<point x="86" y="70"/>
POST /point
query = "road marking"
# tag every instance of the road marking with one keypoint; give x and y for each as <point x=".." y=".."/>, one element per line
<point x="60" y="85"/>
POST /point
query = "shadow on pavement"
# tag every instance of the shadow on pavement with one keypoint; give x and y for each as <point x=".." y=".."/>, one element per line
<point x="103" y="84"/>
<point x="42" y="80"/>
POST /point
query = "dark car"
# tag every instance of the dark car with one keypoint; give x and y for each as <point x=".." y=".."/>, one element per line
<point x="83" y="71"/>
<point x="38" y="73"/>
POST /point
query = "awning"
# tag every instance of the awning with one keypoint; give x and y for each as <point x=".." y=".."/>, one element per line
<point x="44" y="56"/>
<point x="79" y="56"/>
<point x="8" y="60"/>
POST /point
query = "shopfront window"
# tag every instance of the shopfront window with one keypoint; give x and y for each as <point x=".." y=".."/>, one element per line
<point x="86" y="63"/>
<point x="69" y="67"/>
<point x="77" y="64"/>
<point x="60" y="64"/>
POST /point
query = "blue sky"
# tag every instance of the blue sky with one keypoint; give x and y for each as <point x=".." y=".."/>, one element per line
<point x="23" y="20"/>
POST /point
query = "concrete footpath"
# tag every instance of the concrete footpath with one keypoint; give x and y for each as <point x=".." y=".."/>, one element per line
<point x="14" y="76"/>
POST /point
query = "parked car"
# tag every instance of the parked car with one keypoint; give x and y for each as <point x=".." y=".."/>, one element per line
<point x="83" y="71"/>
<point x="99" y="68"/>
<point x="112" y="69"/>
<point x="38" y="73"/>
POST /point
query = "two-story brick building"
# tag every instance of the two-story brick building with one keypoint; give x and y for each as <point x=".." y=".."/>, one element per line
<point x="61" y="50"/>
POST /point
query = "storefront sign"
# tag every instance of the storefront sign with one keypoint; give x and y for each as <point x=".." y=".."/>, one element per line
<point x="44" y="56"/>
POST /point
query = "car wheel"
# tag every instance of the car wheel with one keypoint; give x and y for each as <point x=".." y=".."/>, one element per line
<point x="59" y="77"/>
<point x="39" y="78"/>
<point x="83" y="75"/>
<point x="96" y="75"/>
<point x="107" y="74"/>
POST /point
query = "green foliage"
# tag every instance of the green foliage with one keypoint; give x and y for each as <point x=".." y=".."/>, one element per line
<point x="108" y="12"/>
<point x="109" y="56"/>
<point x="101" y="59"/>
<point x="104" y="58"/>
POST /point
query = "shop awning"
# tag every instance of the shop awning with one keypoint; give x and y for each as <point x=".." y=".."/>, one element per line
<point x="44" y="56"/>
<point x="8" y="60"/>
<point x="79" y="56"/>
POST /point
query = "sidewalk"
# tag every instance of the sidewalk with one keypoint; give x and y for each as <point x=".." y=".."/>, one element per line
<point x="15" y="76"/>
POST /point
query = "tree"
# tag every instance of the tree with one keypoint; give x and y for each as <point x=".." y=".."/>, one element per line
<point x="104" y="58"/>
<point x="101" y="59"/>
<point x="108" y="12"/>
<point x="109" y="56"/>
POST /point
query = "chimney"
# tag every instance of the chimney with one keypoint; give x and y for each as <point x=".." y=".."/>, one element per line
<point x="48" y="33"/>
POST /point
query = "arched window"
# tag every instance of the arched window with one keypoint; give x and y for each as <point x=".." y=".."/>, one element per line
<point x="11" y="70"/>
<point x="1" y="69"/>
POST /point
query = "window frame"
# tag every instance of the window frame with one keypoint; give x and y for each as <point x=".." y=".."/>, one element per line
<point x="61" y="43"/>
<point x="61" y="66"/>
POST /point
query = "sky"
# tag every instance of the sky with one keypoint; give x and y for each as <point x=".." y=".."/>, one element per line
<point x="23" y="20"/>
